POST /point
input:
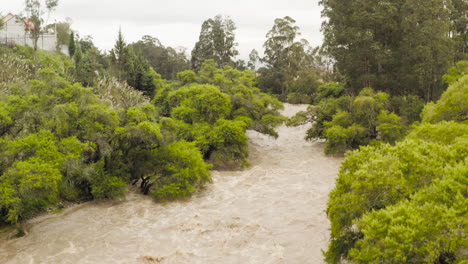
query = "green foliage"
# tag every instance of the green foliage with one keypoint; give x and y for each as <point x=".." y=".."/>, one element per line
<point x="214" y="109"/>
<point x="427" y="229"/>
<point x="90" y="139"/>
<point x="71" y="45"/>
<point x="453" y="104"/>
<point x="245" y="99"/>
<point x="187" y="77"/>
<point x="290" y="63"/>
<point x="167" y="61"/>
<point x="299" y="119"/>
<point x="400" y="47"/>
<point x="387" y="205"/>
<point x="457" y="72"/>
<point x="216" y="42"/>
<point x="348" y="122"/>
<point x="104" y="185"/>
<point x="182" y="171"/>
<point x="299" y="98"/>
<point x="409" y="108"/>
<point x="85" y="67"/>
<point x="228" y="143"/>
<point x="64" y="141"/>
<point x="32" y="172"/>
<point x="199" y="103"/>
<point x="443" y="132"/>
<point x="329" y="90"/>
<point x="390" y="127"/>
<point x="340" y="139"/>
<point x="120" y="57"/>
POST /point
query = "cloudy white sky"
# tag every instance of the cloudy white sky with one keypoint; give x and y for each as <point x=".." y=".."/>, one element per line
<point x="177" y="23"/>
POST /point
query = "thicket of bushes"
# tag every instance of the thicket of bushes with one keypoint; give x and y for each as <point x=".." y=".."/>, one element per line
<point x="406" y="203"/>
<point x="62" y="141"/>
<point x="349" y="122"/>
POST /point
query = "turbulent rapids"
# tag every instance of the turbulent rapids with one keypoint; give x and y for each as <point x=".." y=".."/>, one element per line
<point x="272" y="212"/>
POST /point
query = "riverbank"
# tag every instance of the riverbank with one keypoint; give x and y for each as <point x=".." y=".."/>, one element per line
<point x="271" y="212"/>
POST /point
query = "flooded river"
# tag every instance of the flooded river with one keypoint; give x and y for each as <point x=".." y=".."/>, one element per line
<point x="272" y="212"/>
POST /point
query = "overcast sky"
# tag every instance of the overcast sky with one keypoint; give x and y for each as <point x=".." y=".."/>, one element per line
<point x="177" y="23"/>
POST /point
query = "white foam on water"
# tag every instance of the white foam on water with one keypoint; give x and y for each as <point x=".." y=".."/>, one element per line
<point x="272" y="212"/>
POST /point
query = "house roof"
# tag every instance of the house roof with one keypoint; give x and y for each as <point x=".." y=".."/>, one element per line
<point x="29" y="24"/>
<point x="7" y="17"/>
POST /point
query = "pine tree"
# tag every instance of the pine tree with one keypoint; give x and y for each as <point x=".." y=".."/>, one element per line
<point x="71" y="45"/>
<point x="119" y="56"/>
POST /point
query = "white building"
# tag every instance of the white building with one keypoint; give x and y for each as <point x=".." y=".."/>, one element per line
<point x="15" y="31"/>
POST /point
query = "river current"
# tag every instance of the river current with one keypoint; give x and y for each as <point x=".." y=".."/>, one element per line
<point x="272" y="212"/>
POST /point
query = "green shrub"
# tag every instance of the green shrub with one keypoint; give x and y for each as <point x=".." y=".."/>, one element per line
<point x="409" y="108"/>
<point x="329" y="90"/>
<point x="457" y="72"/>
<point x="376" y="177"/>
<point x="229" y="143"/>
<point x="390" y="127"/>
<point x="453" y="105"/>
<point x="206" y="103"/>
<point x="187" y="77"/>
<point x="340" y="139"/>
<point x="182" y="171"/>
<point x="428" y="228"/>
<point x="299" y="98"/>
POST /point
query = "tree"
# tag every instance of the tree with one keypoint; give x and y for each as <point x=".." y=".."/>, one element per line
<point x="399" y="47"/>
<point x="120" y="56"/>
<point x="458" y="28"/>
<point x="453" y="105"/>
<point x="216" y="41"/>
<point x="167" y="61"/>
<point x="62" y="30"/>
<point x="279" y="43"/>
<point x="254" y="58"/>
<point x="426" y="46"/>
<point x="71" y="45"/>
<point x="286" y="58"/>
<point x="141" y="75"/>
<point x="35" y="11"/>
<point x="85" y="67"/>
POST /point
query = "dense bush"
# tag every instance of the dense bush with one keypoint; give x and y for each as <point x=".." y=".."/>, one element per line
<point x="214" y="109"/>
<point x="181" y="171"/>
<point x="376" y="177"/>
<point x="405" y="203"/>
<point x="409" y="108"/>
<point x="453" y="104"/>
<point x="298" y="98"/>
<point x="62" y="141"/>
<point x="349" y="122"/>
<point x="329" y="90"/>
<point x="429" y="228"/>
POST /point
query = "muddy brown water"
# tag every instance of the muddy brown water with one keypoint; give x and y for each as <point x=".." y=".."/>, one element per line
<point x="272" y="212"/>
